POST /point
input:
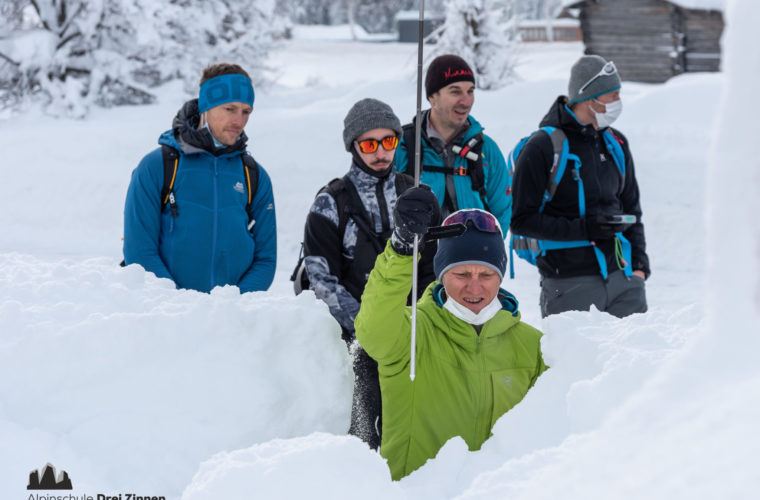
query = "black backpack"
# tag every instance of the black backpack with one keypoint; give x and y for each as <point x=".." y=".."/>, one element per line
<point x="170" y="157"/>
<point x="349" y="206"/>
<point x="472" y="152"/>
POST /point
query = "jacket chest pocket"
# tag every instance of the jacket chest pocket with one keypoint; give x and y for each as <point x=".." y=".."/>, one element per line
<point x="509" y="387"/>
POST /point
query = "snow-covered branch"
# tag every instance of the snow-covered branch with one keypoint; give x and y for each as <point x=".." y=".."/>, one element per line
<point x="112" y="52"/>
<point x="484" y="33"/>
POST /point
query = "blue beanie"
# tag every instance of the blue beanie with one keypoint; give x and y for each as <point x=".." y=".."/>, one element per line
<point x="472" y="247"/>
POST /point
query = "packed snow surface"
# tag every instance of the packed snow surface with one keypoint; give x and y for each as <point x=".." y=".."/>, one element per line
<point x="132" y="386"/>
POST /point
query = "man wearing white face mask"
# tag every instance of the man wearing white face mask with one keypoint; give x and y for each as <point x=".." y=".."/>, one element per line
<point x="475" y="359"/>
<point x="592" y="221"/>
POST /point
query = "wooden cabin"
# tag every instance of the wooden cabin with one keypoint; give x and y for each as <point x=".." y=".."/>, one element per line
<point x="408" y="24"/>
<point x="554" y="30"/>
<point x="652" y="40"/>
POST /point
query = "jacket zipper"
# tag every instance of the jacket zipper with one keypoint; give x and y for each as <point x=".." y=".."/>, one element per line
<point x="482" y="420"/>
<point x="215" y="225"/>
<point x="383" y="206"/>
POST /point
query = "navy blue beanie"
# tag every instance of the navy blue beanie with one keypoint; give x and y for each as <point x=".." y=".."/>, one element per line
<point x="472" y="247"/>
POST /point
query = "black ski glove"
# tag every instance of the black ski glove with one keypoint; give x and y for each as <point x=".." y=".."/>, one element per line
<point x="599" y="228"/>
<point x="415" y="211"/>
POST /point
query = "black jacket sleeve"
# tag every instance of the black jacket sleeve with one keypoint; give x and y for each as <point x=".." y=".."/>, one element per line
<point x="323" y="250"/>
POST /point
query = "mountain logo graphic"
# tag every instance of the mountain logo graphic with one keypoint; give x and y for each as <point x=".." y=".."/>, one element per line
<point x="49" y="481"/>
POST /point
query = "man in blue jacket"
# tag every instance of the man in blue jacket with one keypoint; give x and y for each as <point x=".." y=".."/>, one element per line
<point x="208" y="230"/>
<point x="463" y="166"/>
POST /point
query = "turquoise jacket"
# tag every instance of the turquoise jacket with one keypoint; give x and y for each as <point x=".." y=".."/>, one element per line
<point x="464" y="380"/>
<point x="497" y="178"/>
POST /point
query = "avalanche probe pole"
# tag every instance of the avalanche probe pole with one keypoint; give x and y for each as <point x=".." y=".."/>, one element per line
<point x="417" y="156"/>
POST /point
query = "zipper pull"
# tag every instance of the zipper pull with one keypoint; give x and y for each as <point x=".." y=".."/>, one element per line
<point x="173" y="204"/>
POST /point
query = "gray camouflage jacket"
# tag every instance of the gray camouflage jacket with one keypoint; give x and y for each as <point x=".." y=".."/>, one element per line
<point x="330" y="260"/>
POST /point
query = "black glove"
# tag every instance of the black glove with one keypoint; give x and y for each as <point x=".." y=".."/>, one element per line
<point x="415" y="211"/>
<point x="598" y="228"/>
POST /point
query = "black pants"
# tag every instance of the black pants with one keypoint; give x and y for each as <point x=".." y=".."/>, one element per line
<point x="366" y="418"/>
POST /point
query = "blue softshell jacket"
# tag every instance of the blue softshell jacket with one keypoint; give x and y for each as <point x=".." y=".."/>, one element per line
<point x="497" y="179"/>
<point x="208" y="244"/>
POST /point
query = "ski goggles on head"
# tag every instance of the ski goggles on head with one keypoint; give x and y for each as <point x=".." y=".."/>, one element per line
<point x="608" y="69"/>
<point x="370" y="145"/>
<point x="482" y="220"/>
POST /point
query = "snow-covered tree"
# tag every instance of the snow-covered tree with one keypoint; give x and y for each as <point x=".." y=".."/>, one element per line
<point x="69" y="55"/>
<point x="539" y="9"/>
<point x="378" y="16"/>
<point x="187" y="35"/>
<point x="326" y="12"/>
<point x="76" y="53"/>
<point x="374" y="16"/>
<point x="485" y="34"/>
<point x="11" y="16"/>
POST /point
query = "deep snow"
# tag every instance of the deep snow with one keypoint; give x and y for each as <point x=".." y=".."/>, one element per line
<point x="132" y="386"/>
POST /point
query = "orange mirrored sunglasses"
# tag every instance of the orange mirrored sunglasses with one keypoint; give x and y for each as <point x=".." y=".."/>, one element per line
<point x="370" y="145"/>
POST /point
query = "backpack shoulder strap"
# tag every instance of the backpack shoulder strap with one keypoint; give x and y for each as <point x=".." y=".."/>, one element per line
<point x="171" y="162"/>
<point x="337" y="189"/>
<point x="408" y="133"/>
<point x="472" y="151"/>
<point x="350" y="206"/>
<point x="615" y="147"/>
<point x="251" y="170"/>
<point x="560" y="151"/>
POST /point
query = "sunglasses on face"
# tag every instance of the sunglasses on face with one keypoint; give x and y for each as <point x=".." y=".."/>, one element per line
<point x="607" y="70"/>
<point x="370" y="145"/>
<point x="481" y="219"/>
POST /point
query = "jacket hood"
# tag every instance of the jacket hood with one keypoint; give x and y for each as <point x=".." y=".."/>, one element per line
<point x="560" y="116"/>
<point x="186" y="137"/>
<point x="463" y="333"/>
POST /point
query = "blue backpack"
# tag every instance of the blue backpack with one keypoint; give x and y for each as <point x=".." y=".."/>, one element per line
<point x="530" y="248"/>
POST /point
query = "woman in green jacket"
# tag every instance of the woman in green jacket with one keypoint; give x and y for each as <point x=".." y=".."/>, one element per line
<point x="475" y="359"/>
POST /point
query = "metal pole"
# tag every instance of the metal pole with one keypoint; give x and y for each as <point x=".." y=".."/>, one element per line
<point x="417" y="158"/>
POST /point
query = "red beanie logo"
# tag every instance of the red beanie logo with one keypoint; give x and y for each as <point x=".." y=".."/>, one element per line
<point x="459" y="72"/>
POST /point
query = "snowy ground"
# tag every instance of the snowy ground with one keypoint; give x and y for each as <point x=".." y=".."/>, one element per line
<point x="132" y="386"/>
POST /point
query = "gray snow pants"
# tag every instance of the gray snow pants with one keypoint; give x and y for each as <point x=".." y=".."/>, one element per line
<point x="617" y="295"/>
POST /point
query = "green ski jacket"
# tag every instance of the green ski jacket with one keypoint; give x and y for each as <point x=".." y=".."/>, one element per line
<point x="464" y="381"/>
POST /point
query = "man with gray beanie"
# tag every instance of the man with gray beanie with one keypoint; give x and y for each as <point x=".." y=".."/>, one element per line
<point x="475" y="359"/>
<point x="347" y="227"/>
<point x="587" y="222"/>
<point x="462" y="165"/>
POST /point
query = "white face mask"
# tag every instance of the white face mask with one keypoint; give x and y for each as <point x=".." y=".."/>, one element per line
<point x="611" y="113"/>
<point x="470" y="317"/>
